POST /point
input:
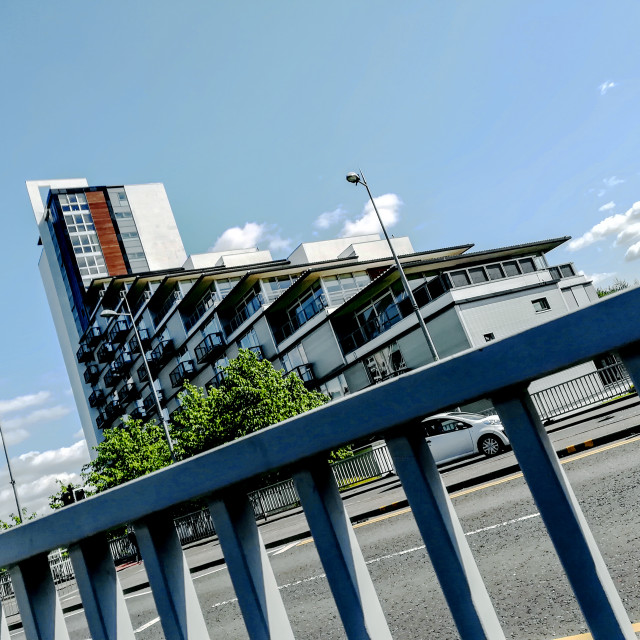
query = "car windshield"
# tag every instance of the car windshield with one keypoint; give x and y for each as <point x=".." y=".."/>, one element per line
<point x="469" y="416"/>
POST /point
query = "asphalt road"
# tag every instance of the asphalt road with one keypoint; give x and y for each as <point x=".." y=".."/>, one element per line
<point x="515" y="557"/>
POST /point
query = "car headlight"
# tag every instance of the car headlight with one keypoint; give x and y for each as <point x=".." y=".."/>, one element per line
<point x="492" y="421"/>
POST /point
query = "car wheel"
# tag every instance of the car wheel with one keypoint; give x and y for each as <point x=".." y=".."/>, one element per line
<point x="490" y="446"/>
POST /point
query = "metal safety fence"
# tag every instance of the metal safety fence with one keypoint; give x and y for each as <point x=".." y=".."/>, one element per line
<point x="586" y="390"/>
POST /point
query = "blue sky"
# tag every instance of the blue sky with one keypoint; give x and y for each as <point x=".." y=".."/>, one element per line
<point x="493" y="123"/>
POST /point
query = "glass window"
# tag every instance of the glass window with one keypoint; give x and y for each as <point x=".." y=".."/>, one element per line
<point x="459" y="278"/>
<point x="511" y="268"/>
<point x="336" y="387"/>
<point x="541" y="304"/>
<point x="478" y="275"/>
<point x="567" y="271"/>
<point x="385" y="363"/>
<point x="527" y="265"/>
<point x="495" y="271"/>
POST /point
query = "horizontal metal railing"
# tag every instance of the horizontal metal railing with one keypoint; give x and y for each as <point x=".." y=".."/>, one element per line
<point x="500" y="372"/>
<point x="591" y="388"/>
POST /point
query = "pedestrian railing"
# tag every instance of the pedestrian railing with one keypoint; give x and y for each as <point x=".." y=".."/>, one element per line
<point x="501" y="371"/>
<point x="586" y="390"/>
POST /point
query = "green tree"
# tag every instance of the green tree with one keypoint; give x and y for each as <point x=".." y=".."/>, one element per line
<point x="128" y="451"/>
<point x="618" y="285"/>
<point x="252" y="395"/>
<point x="56" y="500"/>
<point x="14" y="521"/>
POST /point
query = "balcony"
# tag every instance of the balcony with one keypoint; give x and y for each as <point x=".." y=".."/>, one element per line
<point x="370" y="330"/>
<point x="105" y="352"/>
<point x="218" y="378"/>
<point x="258" y="351"/>
<point x="101" y="418"/>
<point x="112" y="410"/>
<point x="305" y="373"/>
<point x="143" y="376"/>
<point x="123" y="362"/>
<point x="303" y="314"/>
<point x="184" y="371"/>
<point x="91" y="374"/>
<point x="161" y="354"/>
<point x="96" y="398"/>
<point x="145" y="338"/>
<point x="119" y="331"/>
<point x="149" y="402"/>
<point x="210" y="348"/>
<point x="84" y="353"/>
<point x="113" y="376"/>
<point x="138" y="413"/>
<point x="247" y="310"/>
<point x="93" y="336"/>
<point x="127" y="394"/>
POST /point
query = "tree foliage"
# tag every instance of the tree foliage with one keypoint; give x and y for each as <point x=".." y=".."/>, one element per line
<point x="618" y="285"/>
<point x="56" y="501"/>
<point x="252" y="395"/>
<point x="15" y="521"/>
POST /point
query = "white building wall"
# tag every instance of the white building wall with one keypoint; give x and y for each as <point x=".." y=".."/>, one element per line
<point x="156" y="226"/>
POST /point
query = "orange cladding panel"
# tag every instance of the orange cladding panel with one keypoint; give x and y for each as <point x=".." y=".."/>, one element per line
<point x="106" y="233"/>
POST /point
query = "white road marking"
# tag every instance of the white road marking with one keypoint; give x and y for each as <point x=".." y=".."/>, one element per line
<point x="285" y="548"/>
<point x="147" y="625"/>
<point x="202" y="575"/>
<point x="502" y="524"/>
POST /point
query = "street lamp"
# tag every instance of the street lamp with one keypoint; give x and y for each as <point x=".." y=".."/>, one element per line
<point x="358" y="178"/>
<point x="12" y="482"/>
<point x="109" y="313"/>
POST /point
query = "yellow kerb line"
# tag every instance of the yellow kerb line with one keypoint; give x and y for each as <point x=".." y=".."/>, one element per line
<point x="588" y="636"/>
<point x="487" y="485"/>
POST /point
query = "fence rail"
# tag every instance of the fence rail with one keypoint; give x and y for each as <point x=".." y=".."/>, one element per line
<point x="500" y="372"/>
<point x="592" y="388"/>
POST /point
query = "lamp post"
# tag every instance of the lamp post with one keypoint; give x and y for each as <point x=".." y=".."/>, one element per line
<point x="109" y="313"/>
<point x="358" y="178"/>
<point x="12" y="482"/>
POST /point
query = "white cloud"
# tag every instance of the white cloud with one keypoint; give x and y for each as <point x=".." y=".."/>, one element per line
<point x="612" y="181"/>
<point x="39" y="415"/>
<point x="625" y="226"/>
<point x="330" y="218"/>
<point x="24" y="402"/>
<point x="608" y="206"/>
<point x="251" y="235"/>
<point x="597" y="278"/>
<point x="35" y="474"/>
<point x="606" y="86"/>
<point x="389" y="208"/>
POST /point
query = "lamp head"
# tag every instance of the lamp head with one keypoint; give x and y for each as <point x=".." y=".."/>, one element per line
<point x="109" y="313"/>
<point x="353" y="178"/>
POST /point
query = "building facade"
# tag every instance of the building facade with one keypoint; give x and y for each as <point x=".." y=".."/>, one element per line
<point x="334" y="312"/>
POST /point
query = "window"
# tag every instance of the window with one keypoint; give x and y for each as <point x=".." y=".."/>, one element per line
<point x="275" y="286"/>
<point x="478" y="275"/>
<point x="495" y="271"/>
<point x="336" y="387"/>
<point x="344" y="286"/>
<point x="610" y="369"/>
<point x="386" y="363"/>
<point x="527" y="265"/>
<point x="459" y="278"/>
<point x="249" y="339"/>
<point x="511" y="268"/>
<point x="541" y="304"/>
<point x="294" y="358"/>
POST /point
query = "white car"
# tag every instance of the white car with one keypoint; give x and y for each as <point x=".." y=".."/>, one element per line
<point x="458" y="434"/>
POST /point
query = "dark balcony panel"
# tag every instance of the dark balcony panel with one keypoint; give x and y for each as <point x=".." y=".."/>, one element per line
<point x="145" y="337"/>
<point x="143" y="376"/>
<point x="161" y="353"/>
<point x="210" y="348"/>
<point x="100" y="420"/>
<point x="258" y="351"/>
<point x="119" y="331"/>
<point x="113" y="410"/>
<point x="84" y="353"/>
<point x="184" y="371"/>
<point x="96" y="398"/>
<point x="91" y="374"/>
<point x="127" y="394"/>
<point x="113" y="376"/>
<point x="93" y="335"/>
<point x="150" y="402"/>
<point x="122" y="363"/>
<point x="138" y="413"/>
<point x="105" y="352"/>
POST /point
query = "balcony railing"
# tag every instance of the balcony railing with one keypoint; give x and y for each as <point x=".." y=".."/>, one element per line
<point x="127" y="394"/>
<point x="145" y="337"/>
<point x="119" y="330"/>
<point x="143" y="376"/>
<point x="161" y="354"/>
<point x="91" y="374"/>
<point x="123" y="362"/>
<point x="113" y="375"/>
<point x="96" y="397"/>
<point x="105" y="352"/>
<point x="305" y="373"/>
<point x="373" y="328"/>
<point x="93" y="336"/>
<point x="246" y="311"/>
<point x="184" y="371"/>
<point x="311" y="309"/>
<point x="84" y="353"/>
<point x="101" y="419"/>
<point x="149" y="402"/>
<point x="138" y="413"/>
<point x="210" y="348"/>
<point x="113" y="410"/>
<point x="499" y="371"/>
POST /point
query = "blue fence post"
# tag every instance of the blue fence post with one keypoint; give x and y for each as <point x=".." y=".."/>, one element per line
<point x="253" y="580"/>
<point x="37" y="599"/>
<point x="170" y="579"/>
<point x="574" y="543"/>
<point x="102" y="597"/>
<point x="340" y="554"/>
<point x="444" y="539"/>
